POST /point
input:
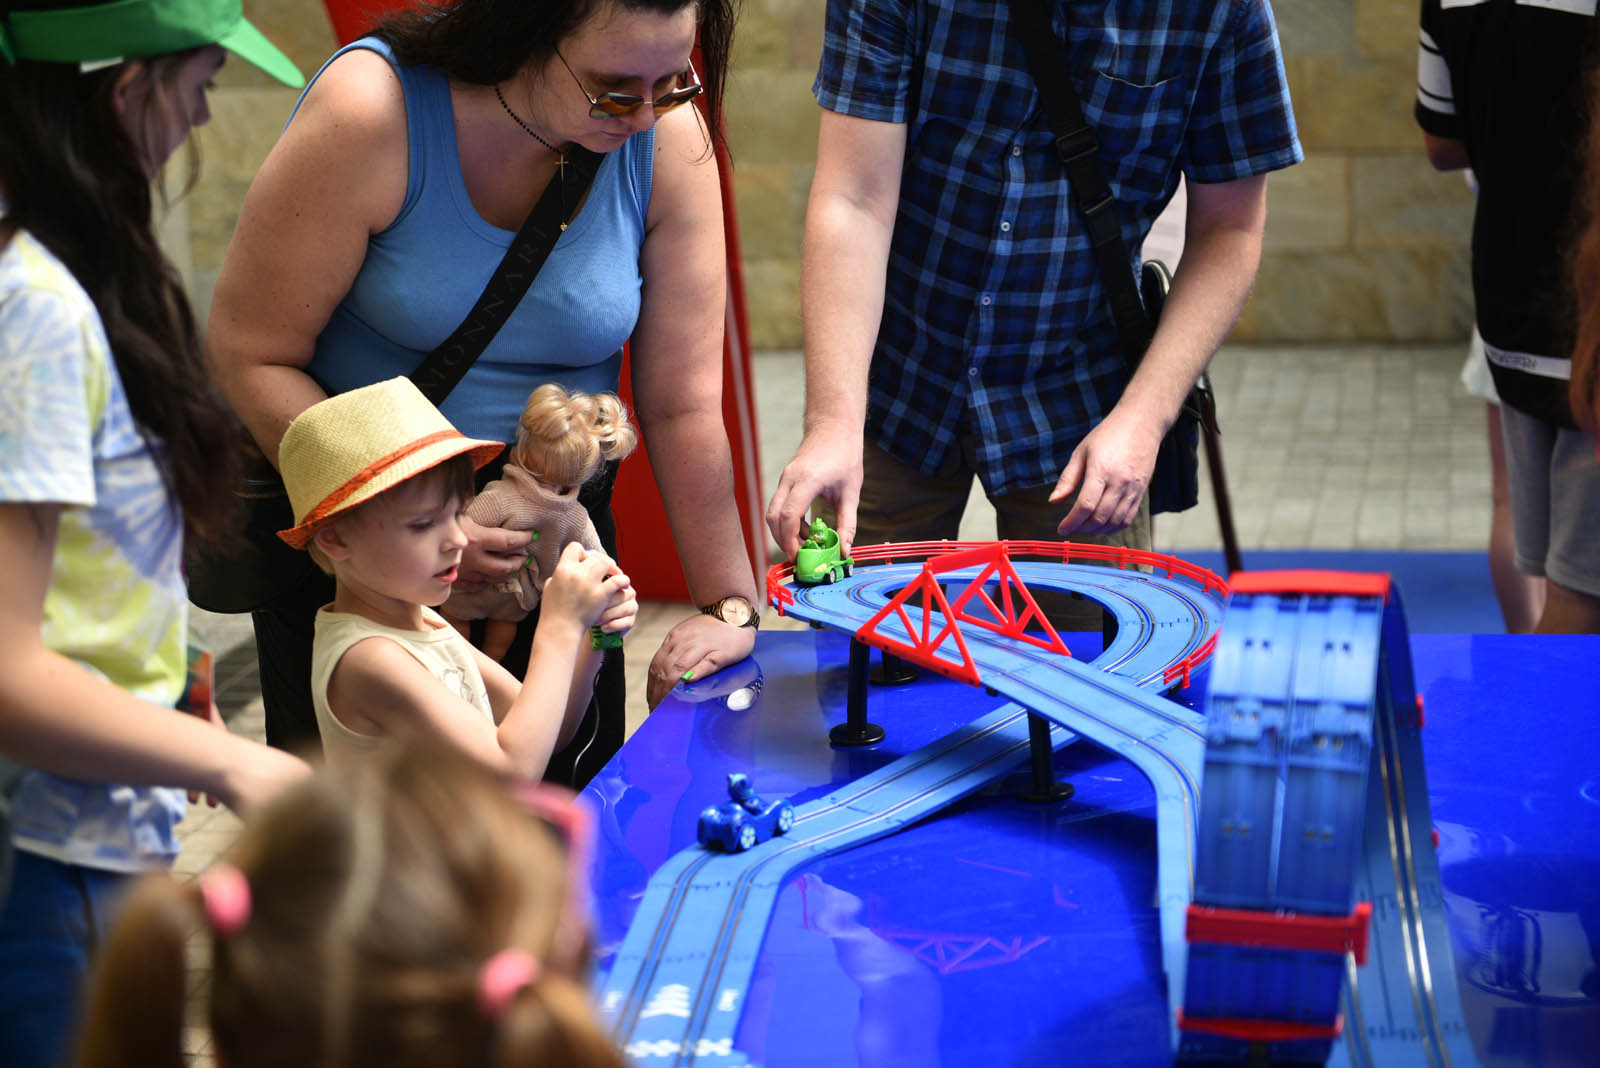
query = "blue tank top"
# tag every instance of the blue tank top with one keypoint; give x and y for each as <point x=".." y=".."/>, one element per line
<point x="423" y="273"/>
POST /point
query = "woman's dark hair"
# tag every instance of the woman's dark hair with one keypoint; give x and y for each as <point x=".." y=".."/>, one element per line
<point x="74" y="179"/>
<point x="484" y="42"/>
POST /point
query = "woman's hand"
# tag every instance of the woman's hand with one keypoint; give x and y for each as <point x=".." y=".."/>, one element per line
<point x="493" y="554"/>
<point x="699" y="646"/>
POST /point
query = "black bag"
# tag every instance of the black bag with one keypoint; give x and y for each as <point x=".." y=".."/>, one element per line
<point x="1174" y="483"/>
<point x="257" y="567"/>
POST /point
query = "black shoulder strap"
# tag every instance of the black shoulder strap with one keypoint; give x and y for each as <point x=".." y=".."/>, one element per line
<point x="445" y="366"/>
<point x="1079" y="150"/>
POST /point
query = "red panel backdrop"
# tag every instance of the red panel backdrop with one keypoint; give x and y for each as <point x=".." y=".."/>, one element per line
<point x="641" y="518"/>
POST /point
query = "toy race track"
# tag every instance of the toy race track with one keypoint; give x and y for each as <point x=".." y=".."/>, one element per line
<point x="1263" y="949"/>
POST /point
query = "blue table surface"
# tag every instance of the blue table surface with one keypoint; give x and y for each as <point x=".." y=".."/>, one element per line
<point x="1001" y="932"/>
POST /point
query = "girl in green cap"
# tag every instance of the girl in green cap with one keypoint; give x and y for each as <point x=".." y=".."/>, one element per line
<point x="110" y="444"/>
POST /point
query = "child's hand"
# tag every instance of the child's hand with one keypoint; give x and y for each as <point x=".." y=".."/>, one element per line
<point x="583" y="586"/>
<point x="624" y="607"/>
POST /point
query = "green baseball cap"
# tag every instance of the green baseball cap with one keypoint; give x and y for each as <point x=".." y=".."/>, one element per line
<point x="126" y="29"/>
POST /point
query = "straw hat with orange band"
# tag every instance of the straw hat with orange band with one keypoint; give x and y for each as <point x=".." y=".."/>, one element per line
<point x="346" y="450"/>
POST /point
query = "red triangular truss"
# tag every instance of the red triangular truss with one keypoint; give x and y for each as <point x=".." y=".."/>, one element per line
<point x="924" y="652"/>
<point x="993" y="562"/>
<point x="1005" y="618"/>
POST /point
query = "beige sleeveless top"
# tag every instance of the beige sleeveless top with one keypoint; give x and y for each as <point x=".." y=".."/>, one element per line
<point x="441" y="649"/>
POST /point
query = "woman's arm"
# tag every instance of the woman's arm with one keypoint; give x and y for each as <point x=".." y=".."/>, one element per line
<point x="61" y="718"/>
<point x="336" y="177"/>
<point x="677" y="390"/>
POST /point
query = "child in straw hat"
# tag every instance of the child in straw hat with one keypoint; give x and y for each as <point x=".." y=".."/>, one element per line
<point x="378" y="480"/>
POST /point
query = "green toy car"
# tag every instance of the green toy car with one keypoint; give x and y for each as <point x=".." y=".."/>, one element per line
<point x="818" y="560"/>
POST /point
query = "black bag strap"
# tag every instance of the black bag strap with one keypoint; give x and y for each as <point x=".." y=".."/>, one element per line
<point x="1079" y="150"/>
<point x="446" y="365"/>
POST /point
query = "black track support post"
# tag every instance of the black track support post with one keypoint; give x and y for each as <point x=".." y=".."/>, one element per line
<point x="1045" y="787"/>
<point x="855" y="730"/>
<point x="892" y="671"/>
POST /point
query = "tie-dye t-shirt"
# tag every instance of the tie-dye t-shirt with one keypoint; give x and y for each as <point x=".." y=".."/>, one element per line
<point x="116" y="602"/>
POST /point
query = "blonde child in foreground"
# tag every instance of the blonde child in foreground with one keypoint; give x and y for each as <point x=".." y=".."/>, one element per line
<point x="379" y="480"/>
<point x="423" y="912"/>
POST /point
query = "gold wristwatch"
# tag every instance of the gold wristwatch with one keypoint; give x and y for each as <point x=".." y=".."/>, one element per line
<point x="734" y="609"/>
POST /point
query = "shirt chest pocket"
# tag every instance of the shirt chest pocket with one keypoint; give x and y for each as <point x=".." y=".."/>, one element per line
<point x="1140" y="128"/>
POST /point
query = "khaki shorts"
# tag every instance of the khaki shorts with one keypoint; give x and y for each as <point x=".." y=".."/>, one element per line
<point x="900" y="503"/>
<point x="1554" y="477"/>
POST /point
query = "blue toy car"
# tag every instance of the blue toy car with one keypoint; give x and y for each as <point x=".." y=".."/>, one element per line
<point x="740" y="823"/>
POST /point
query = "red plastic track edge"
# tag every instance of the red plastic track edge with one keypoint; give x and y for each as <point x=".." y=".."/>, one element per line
<point x="1259" y="1030"/>
<point x="779" y="595"/>
<point x="1351" y="583"/>
<point x="1282" y="930"/>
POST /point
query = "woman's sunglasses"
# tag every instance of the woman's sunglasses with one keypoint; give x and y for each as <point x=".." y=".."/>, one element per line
<point x="619" y="105"/>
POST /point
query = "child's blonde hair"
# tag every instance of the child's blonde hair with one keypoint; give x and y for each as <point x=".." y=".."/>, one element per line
<point x="455" y="475"/>
<point x="564" y="437"/>
<point x="371" y="909"/>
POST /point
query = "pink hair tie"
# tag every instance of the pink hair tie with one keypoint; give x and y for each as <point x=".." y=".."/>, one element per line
<point x="226" y="894"/>
<point x="502" y="977"/>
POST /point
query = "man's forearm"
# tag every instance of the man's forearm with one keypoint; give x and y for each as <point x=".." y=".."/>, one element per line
<point x="1213" y="281"/>
<point x="841" y="304"/>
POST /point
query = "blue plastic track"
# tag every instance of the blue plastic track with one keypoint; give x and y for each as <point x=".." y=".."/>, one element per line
<point x="1299" y="794"/>
<point x="1315" y="806"/>
<point x="676" y="990"/>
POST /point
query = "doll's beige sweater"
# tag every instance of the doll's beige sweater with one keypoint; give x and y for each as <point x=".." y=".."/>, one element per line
<point x="518" y="501"/>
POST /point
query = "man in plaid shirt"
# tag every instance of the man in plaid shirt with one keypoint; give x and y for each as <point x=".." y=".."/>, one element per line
<point x="951" y="302"/>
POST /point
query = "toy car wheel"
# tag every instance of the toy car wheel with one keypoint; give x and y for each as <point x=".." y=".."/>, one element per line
<point x="785" y="819"/>
<point x="747" y="837"/>
<point x="849" y="568"/>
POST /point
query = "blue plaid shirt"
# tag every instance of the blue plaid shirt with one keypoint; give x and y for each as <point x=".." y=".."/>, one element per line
<point x="994" y="318"/>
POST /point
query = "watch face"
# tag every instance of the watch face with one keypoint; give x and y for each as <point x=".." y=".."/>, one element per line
<point x="735" y="610"/>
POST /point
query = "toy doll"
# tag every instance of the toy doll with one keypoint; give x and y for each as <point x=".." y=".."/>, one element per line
<point x="563" y="438"/>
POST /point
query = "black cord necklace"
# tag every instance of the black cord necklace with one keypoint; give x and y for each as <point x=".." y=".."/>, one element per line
<point x="561" y="156"/>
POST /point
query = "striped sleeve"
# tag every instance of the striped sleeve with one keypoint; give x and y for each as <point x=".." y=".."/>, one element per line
<point x="1436" y="102"/>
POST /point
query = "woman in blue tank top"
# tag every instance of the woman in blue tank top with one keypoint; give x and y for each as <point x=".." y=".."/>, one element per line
<point x="373" y="225"/>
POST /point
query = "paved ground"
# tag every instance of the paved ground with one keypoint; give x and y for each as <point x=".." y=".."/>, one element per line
<point x="1332" y="448"/>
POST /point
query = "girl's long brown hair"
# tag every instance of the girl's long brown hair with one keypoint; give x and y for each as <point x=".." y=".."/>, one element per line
<point x="74" y="179"/>
<point x="375" y="901"/>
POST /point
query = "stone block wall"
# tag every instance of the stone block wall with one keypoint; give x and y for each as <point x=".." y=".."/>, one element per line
<point x="248" y="110"/>
<point x="1364" y="241"/>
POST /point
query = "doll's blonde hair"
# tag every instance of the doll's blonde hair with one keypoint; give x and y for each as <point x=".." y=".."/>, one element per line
<point x="564" y="436"/>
